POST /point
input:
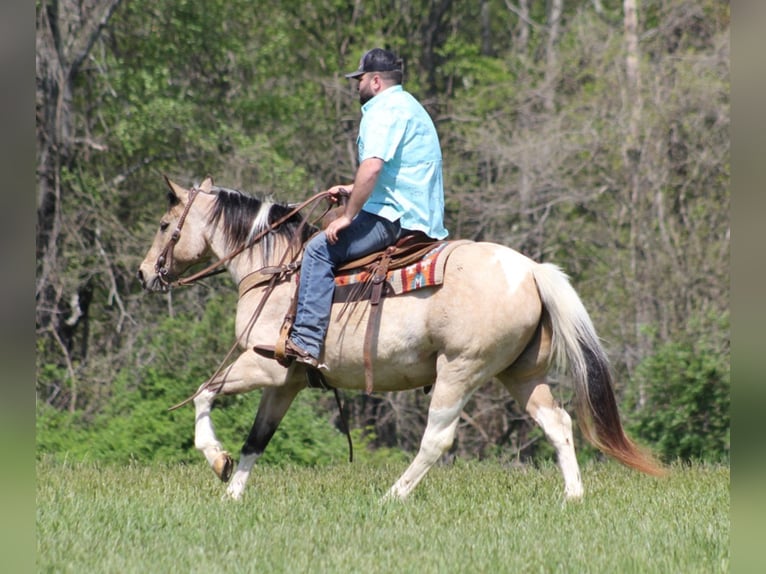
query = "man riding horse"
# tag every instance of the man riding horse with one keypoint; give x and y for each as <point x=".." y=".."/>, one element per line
<point x="495" y="315"/>
<point x="397" y="190"/>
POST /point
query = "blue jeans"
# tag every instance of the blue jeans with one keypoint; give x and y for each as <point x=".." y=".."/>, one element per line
<point x="366" y="234"/>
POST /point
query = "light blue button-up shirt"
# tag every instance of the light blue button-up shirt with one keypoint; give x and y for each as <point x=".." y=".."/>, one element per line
<point x="398" y="130"/>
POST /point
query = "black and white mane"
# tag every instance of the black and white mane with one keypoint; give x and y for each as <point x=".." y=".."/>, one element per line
<point x="242" y="217"/>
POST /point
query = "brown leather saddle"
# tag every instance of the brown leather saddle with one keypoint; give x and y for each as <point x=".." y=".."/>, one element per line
<point x="407" y="250"/>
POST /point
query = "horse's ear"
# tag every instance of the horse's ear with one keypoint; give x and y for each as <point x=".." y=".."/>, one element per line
<point x="207" y="185"/>
<point x="176" y="191"/>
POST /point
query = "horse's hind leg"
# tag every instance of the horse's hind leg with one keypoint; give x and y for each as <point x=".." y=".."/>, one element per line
<point x="536" y="398"/>
<point x="447" y="402"/>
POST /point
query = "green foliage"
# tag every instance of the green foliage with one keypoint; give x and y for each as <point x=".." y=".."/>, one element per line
<point x="686" y="388"/>
<point x="177" y="356"/>
<point x="463" y="61"/>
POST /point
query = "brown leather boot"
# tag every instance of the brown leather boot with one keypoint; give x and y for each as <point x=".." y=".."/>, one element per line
<point x="292" y="353"/>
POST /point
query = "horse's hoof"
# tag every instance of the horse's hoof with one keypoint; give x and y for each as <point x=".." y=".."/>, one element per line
<point x="223" y="466"/>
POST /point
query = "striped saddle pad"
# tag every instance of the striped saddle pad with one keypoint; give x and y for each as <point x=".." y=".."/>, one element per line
<point x="426" y="272"/>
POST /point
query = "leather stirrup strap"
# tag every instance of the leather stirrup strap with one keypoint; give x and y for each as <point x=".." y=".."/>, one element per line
<point x="378" y="284"/>
<point x="280" y="349"/>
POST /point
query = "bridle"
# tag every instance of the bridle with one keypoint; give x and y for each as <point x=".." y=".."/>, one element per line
<point x="165" y="258"/>
<point x="272" y="274"/>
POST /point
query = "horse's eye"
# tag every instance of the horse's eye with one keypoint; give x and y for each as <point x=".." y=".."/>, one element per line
<point x="164" y="225"/>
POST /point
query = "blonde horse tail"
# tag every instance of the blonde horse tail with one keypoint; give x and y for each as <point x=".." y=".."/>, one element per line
<point x="576" y="347"/>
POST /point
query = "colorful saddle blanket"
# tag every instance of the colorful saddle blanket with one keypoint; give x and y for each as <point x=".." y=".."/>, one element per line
<point x="427" y="272"/>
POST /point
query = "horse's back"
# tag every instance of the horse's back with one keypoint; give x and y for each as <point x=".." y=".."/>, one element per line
<point x="489" y="296"/>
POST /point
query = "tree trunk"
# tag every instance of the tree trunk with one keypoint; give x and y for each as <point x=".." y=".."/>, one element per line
<point x="632" y="161"/>
<point x="486" y="34"/>
<point x="551" y="55"/>
<point x="66" y="32"/>
<point x="521" y="35"/>
<point x="431" y="39"/>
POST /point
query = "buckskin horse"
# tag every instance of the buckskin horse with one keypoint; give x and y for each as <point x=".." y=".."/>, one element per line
<point x="497" y="315"/>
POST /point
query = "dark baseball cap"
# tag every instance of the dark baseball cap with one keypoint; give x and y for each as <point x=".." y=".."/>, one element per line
<point x="377" y="60"/>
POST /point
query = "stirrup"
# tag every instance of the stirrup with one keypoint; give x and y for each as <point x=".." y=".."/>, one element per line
<point x="292" y="353"/>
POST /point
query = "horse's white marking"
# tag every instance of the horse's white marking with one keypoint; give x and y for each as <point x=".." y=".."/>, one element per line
<point x="513" y="268"/>
<point x="204" y="434"/>
<point x="261" y="220"/>
<point x="557" y="425"/>
<point x="239" y="480"/>
<point x="437" y="439"/>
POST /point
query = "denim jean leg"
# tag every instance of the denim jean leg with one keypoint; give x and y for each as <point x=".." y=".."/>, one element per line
<point x="314" y="296"/>
<point x="366" y="234"/>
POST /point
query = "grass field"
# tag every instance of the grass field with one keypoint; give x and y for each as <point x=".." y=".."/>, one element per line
<point x="467" y="517"/>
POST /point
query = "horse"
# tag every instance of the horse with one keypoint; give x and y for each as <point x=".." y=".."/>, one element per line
<point x="497" y="315"/>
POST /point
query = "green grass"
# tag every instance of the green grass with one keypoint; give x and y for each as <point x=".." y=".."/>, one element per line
<point x="469" y="517"/>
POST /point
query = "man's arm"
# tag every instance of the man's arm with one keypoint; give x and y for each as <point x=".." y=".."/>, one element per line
<point x="364" y="183"/>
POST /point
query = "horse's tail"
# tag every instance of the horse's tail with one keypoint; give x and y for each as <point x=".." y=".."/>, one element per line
<point x="576" y="346"/>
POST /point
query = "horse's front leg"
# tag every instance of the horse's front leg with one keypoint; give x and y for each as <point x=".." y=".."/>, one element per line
<point x="204" y="435"/>
<point x="451" y="392"/>
<point x="248" y="372"/>
<point x="274" y="404"/>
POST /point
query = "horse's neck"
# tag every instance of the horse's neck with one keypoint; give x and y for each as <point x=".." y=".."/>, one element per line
<point x="253" y="258"/>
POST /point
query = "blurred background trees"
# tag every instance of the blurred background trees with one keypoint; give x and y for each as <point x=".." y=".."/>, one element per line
<point x="592" y="133"/>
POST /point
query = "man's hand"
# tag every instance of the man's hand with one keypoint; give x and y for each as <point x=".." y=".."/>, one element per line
<point x="337" y="225"/>
<point x="338" y="191"/>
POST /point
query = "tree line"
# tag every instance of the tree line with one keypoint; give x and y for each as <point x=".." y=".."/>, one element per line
<point x="593" y="134"/>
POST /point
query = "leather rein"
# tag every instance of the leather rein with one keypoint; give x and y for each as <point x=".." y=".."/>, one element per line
<point x="165" y="258"/>
<point x="271" y="274"/>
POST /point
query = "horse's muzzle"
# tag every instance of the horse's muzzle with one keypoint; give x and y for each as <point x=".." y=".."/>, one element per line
<point x="153" y="284"/>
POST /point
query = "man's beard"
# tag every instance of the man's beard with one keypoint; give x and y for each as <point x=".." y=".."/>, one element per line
<point x="365" y="96"/>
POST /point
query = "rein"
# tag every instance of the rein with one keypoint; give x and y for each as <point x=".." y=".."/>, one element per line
<point x="166" y="256"/>
<point x="270" y="274"/>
